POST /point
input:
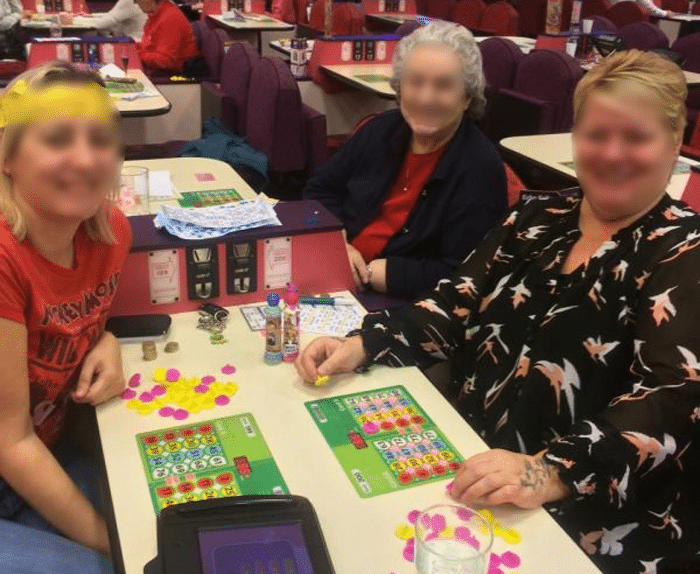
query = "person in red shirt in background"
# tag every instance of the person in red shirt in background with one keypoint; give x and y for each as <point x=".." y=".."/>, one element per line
<point x="168" y="40"/>
<point x="62" y="247"/>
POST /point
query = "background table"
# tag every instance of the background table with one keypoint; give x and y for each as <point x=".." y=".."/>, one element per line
<point x="553" y="151"/>
<point x="141" y="107"/>
<point x="80" y="23"/>
<point x="359" y="532"/>
<point x="351" y="74"/>
<point x="182" y="175"/>
<point x="253" y="25"/>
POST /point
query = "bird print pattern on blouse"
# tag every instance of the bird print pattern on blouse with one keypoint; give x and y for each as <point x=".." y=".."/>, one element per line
<point x="599" y="367"/>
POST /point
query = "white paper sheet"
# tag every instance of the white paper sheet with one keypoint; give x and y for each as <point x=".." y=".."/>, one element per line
<point x="159" y="184"/>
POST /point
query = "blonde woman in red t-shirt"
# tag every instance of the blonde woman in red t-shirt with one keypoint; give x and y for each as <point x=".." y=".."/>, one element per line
<point x="62" y="246"/>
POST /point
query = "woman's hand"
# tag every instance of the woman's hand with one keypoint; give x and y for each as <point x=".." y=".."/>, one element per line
<point x="330" y="356"/>
<point x="500" y="476"/>
<point x="377" y="275"/>
<point x="102" y="376"/>
<point x="360" y="270"/>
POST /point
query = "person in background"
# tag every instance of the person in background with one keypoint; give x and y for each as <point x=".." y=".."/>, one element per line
<point x="62" y="247"/>
<point x="574" y="332"/>
<point x="124" y="19"/>
<point x="416" y="188"/>
<point x="168" y="41"/>
<point x="10" y="15"/>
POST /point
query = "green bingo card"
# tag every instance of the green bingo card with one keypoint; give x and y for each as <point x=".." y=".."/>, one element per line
<point x="384" y="440"/>
<point x="208" y="198"/>
<point x="212" y="459"/>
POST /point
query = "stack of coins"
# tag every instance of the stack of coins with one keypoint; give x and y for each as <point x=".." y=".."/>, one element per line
<point x="149" y="351"/>
<point x="172" y="347"/>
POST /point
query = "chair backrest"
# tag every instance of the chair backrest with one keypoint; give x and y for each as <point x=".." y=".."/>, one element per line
<point x="500" y="57"/>
<point x="551" y="77"/>
<point x="626" y="12"/>
<point x="407" y="28"/>
<point x="347" y="20"/>
<point x="236" y="68"/>
<point x="293" y="11"/>
<point x="438" y="9"/>
<point x="200" y="29"/>
<point x="515" y="185"/>
<point x="595" y="7"/>
<point x="468" y="13"/>
<point x="532" y="16"/>
<point x="500" y="19"/>
<point x="679" y="6"/>
<point x="213" y="51"/>
<point x="696" y="8"/>
<point x="643" y="36"/>
<point x="274" y="119"/>
<point x="603" y="24"/>
<point x="689" y="47"/>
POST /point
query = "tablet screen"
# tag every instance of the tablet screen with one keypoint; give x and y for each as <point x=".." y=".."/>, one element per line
<point x="275" y="549"/>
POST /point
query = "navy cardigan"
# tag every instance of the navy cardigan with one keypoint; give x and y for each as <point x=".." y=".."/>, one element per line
<point x="462" y="200"/>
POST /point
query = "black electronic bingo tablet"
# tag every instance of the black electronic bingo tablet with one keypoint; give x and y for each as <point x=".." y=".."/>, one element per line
<point x="241" y="535"/>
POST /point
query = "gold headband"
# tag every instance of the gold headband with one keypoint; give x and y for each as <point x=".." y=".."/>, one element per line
<point x="22" y="103"/>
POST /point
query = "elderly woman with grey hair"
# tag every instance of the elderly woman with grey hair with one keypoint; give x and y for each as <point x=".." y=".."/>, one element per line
<point x="417" y="188"/>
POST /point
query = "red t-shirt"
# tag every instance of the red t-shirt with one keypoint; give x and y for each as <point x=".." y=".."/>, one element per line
<point x="64" y="311"/>
<point x="168" y="40"/>
<point x="413" y="175"/>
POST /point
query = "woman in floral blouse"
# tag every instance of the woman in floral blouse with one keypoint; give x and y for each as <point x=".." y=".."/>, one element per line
<point x="575" y="339"/>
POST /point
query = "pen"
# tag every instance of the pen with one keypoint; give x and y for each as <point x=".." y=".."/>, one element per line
<point x="311" y="300"/>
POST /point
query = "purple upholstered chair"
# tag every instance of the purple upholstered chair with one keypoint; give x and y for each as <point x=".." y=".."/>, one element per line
<point x="643" y="36"/>
<point x="626" y="12"/>
<point x="689" y="47"/>
<point x="213" y="51"/>
<point x="601" y="24"/>
<point x="544" y="87"/>
<point x="199" y="28"/>
<point x="500" y="57"/>
<point x="407" y="28"/>
<point x="228" y="99"/>
<point x="292" y="135"/>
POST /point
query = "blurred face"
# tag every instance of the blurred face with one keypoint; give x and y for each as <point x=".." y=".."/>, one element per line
<point x="147" y="6"/>
<point x="624" y="153"/>
<point x="433" y="98"/>
<point x="64" y="169"/>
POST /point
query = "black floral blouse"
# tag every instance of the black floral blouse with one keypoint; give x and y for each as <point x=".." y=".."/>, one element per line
<point x="600" y="367"/>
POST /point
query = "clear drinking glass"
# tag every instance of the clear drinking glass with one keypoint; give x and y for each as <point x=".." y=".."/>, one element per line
<point x="133" y="190"/>
<point x="452" y="539"/>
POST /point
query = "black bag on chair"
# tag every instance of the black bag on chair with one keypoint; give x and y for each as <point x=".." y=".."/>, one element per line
<point x="11" y="46"/>
<point x="196" y="67"/>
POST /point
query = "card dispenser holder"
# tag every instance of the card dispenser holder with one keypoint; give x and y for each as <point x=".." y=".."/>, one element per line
<point x="241" y="267"/>
<point x="357" y="50"/>
<point x="369" y="50"/>
<point x="77" y="55"/>
<point x="202" y="272"/>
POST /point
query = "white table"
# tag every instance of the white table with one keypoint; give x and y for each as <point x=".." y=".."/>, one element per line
<point x="251" y="26"/>
<point x="376" y="77"/>
<point x="359" y="532"/>
<point x="679" y="25"/>
<point x="284" y="46"/>
<point x="80" y="23"/>
<point x="148" y="106"/>
<point x="553" y="151"/>
<point x="182" y="175"/>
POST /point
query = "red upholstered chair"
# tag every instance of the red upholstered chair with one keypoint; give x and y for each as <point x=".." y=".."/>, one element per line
<point x="500" y="19"/>
<point x="696" y="8"/>
<point x="693" y="147"/>
<point x="422" y="6"/>
<point x="347" y="20"/>
<point x="532" y="16"/>
<point x="293" y="11"/>
<point x="500" y="60"/>
<point x="626" y="12"/>
<point x="438" y="9"/>
<point x="680" y="6"/>
<point x="468" y="13"/>
<point x="595" y="7"/>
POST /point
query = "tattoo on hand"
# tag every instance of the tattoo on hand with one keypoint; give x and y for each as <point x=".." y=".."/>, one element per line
<point x="536" y="474"/>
